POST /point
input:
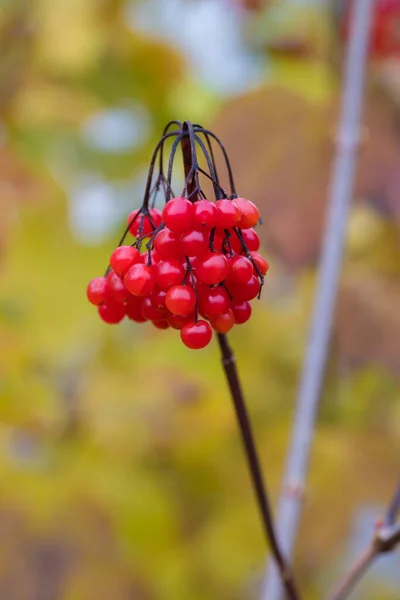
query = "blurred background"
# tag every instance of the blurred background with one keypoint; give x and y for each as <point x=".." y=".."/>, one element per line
<point x="122" y="474"/>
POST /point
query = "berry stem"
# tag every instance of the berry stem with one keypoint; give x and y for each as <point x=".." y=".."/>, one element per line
<point x="232" y="376"/>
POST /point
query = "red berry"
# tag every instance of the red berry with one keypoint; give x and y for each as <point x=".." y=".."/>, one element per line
<point x="178" y="321"/>
<point x="123" y="258"/>
<point x="163" y="324"/>
<point x="180" y="300"/>
<point x="178" y="214"/>
<point x="142" y="225"/>
<point x="250" y="214"/>
<point x="133" y="309"/>
<point x="235" y="243"/>
<point x="241" y="311"/>
<point x="240" y="269"/>
<point x="96" y="290"/>
<point x="251" y="239"/>
<point x="224" y="322"/>
<point x="158" y="299"/>
<point x="140" y="279"/>
<point x="204" y="214"/>
<point x="166" y="244"/>
<point x="196" y="335"/>
<point x="169" y="272"/>
<point x="244" y="291"/>
<point x="213" y="268"/>
<point x="154" y="257"/>
<point x="111" y="313"/>
<point x="116" y="290"/>
<point x="261" y="263"/>
<point x="150" y="313"/>
<point x="228" y="214"/>
<point x="194" y="243"/>
<point x="213" y="302"/>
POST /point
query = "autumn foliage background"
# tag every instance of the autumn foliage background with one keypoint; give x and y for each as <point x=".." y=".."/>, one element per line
<point x="122" y="473"/>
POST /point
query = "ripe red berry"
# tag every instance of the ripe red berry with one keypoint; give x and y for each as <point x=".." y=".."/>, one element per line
<point x="178" y="214"/>
<point x="244" y="291"/>
<point x="213" y="268"/>
<point x="123" y="258"/>
<point x="169" y="273"/>
<point x="150" y="313"/>
<point x="204" y="214"/>
<point x="196" y="335"/>
<point x="111" y="313"/>
<point x="251" y="239"/>
<point x="180" y="300"/>
<point x="163" y="324"/>
<point x="158" y="299"/>
<point x="140" y="279"/>
<point x="142" y="225"/>
<point x="240" y="269"/>
<point x="116" y="290"/>
<point x="213" y="302"/>
<point x="133" y="309"/>
<point x="178" y="321"/>
<point x="96" y="290"/>
<point x="154" y="257"/>
<point x="194" y="243"/>
<point x="228" y="214"/>
<point x="241" y="311"/>
<point x="250" y="215"/>
<point x="166" y="244"/>
<point x="224" y="322"/>
<point x="261" y="263"/>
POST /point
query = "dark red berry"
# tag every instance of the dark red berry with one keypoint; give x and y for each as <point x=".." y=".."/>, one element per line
<point x="150" y="313"/>
<point x="96" y="290"/>
<point x="163" y="324"/>
<point x="166" y="244"/>
<point x="244" y="291"/>
<point x="228" y="214"/>
<point x="116" y="290"/>
<point x="158" y="299"/>
<point x="123" y="258"/>
<point x="251" y="239"/>
<point x="196" y="335"/>
<point x="213" y="302"/>
<point x="133" y="309"/>
<point x="140" y="279"/>
<point x="241" y="311"/>
<point x="180" y="300"/>
<point x="224" y="322"/>
<point x="111" y="313"/>
<point x="194" y="243"/>
<point x="169" y="273"/>
<point x="178" y="214"/>
<point x="178" y="321"/>
<point x="213" y="268"/>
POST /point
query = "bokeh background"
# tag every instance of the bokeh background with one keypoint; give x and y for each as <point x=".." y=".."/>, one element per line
<point x="121" y="469"/>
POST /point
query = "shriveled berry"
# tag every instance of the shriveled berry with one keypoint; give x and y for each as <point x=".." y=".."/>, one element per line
<point x="96" y="290"/>
<point x="123" y="258"/>
<point x="250" y="214"/>
<point x="251" y="239"/>
<point x="213" y="268"/>
<point x="194" y="243"/>
<point x="133" y="309"/>
<point x="224" y="322"/>
<point x="178" y="214"/>
<point x="111" y="313"/>
<point x="244" y="291"/>
<point x="116" y="290"/>
<point x="169" y="273"/>
<point x="140" y="279"/>
<point x="228" y="214"/>
<point x="180" y="300"/>
<point x="204" y="214"/>
<point x="261" y="263"/>
<point x="213" y="302"/>
<point x="241" y="311"/>
<point x="166" y="244"/>
<point x="240" y="269"/>
<point x="196" y="335"/>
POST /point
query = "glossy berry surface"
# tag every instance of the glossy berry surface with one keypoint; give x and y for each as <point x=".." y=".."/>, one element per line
<point x="196" y="335"/>
<point x="249" y="213"/>
<point x="111" y="313"/>
<point x="240" y="269"/>
<point x="96" y="290"/>
<point x="133" y="309"/>
<point x="251" y="239"/>
<point x="166" y="244"/>
<point x="224" y="322"/>
<point x="241" y="311"/>
<point x="180" y="300"/>
<point x="213" y="268"/>
<point x="204" y="214"/>
<point x="144" y="225"/>
<point x="140" y="280"/>
<point x="123" y="258"/>
<point x="178" y="214"/>
<point x="213" y="302"/>
<point x="169" y="272"/>
<point x="194" y="243"/>
<point x="228" y="214"/>
<point x="260" y="262"/>
<point x="116" y="290"/>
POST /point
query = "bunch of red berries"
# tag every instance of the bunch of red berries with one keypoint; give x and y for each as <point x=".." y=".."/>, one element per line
<point x="201" y="259"/>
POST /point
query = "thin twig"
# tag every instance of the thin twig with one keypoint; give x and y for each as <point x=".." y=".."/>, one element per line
<point x="341" y="190"/>
<point x="232" y="376"/>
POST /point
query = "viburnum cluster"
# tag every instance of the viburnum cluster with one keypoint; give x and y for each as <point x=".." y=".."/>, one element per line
<point x="194" y="267"/>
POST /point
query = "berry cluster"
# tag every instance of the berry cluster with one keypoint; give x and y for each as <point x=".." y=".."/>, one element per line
<point x="201" y="258"/>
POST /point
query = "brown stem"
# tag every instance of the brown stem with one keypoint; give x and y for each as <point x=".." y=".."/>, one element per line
<point x="228" y="361"/>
